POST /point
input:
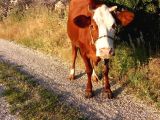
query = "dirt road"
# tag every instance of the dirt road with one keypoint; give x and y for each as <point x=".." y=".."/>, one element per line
<point x="52" y="72"/>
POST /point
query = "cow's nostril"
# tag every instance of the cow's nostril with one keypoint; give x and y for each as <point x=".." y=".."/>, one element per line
<point x="104" y="50"/>
<point x="111" y="52"/>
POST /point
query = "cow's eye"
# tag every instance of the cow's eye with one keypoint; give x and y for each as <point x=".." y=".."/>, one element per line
<point x="92" y="27"/>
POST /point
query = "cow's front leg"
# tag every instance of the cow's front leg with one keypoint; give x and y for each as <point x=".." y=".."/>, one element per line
<point x="74" y="55"/>
<point x="94" y="77"/>
<point x="88" y="92"/>
<point x="107" y="90"/>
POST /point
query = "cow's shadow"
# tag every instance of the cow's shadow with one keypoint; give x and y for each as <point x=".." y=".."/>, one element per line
<point x="79" y="75"/>
<point x="116" y="92"/>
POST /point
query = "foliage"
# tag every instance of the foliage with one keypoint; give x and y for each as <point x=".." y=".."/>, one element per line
<point x="122" y="61"/>
<point x="146" y="5"/>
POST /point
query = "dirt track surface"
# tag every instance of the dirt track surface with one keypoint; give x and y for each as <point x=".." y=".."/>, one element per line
<point x="52" y="72"/>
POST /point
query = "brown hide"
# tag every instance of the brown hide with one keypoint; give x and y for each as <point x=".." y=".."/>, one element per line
<point x="80" y="36"/>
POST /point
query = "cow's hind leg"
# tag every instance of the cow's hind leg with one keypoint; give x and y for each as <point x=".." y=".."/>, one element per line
<point x="107" y="90"/>
<point x="74" y="55"/>
<point x="88" y="92"/>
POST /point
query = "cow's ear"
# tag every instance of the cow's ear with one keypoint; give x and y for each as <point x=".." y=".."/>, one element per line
<point x="125" y="17"/>
<point x="82" y="21"/>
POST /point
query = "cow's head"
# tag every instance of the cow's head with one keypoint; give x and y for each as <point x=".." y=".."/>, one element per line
<point x="101" y="25"/>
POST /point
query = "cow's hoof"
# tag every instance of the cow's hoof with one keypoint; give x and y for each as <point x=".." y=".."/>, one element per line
<point x="89" y="94"/>
<point x="108" y="94"/>
<point x="71" y="77"/>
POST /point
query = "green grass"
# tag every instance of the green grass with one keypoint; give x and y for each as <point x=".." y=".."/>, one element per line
<point x="144" y="87"/>
<point x="31" y="100"/>
<point x="122" y="61"/>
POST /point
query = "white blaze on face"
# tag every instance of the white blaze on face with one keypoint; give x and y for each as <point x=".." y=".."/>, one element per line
<point x="104" y="21"/>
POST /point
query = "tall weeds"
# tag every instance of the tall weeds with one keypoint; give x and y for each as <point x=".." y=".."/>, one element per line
<point x="36" y="28"/>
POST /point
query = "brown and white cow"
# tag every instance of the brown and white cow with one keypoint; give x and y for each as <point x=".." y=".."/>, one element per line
<point x="91" y="28"/>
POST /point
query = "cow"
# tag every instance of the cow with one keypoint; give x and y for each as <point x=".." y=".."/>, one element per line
<point x="91" y="29"/>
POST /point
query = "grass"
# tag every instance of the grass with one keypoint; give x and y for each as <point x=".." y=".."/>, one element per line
<point x="38" y="29"/>
<point x="30" y="100"/>
<point x="140" y="78"/>
<point x="144" y="86"/>
<point x="46" y="32"/>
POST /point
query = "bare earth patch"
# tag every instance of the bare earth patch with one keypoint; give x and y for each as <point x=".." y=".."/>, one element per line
<point x="53" y="74"/>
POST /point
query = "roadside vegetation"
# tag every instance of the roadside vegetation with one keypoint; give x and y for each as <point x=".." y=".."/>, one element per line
<point x="30" y="100"/>
<point x="135" y="65"/>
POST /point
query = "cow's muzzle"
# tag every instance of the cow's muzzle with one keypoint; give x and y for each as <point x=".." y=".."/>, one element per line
<point x="105" y="53"/>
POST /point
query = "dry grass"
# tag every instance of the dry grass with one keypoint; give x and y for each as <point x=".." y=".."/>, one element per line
<point x="39" y="30"/>
<point x="42" y="31"/>
<point x="154" y="70"/>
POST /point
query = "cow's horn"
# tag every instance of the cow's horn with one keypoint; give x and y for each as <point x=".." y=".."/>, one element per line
<point x="113" y="8"/>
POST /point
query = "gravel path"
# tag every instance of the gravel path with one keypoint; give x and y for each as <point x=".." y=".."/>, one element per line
<point x="53" y="73"/>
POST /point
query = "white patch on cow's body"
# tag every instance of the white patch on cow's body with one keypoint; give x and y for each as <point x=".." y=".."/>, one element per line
<point x="72" y="72"/>
<point x="94" y="74"/>
<point x="104" y="21"/>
